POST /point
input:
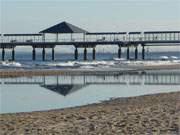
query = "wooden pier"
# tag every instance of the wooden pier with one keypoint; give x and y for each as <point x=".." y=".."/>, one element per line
<point x="70" y="35"/>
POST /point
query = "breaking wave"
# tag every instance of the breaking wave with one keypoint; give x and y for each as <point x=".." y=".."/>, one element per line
<point x="115" y="63"/>
<point x="10" y="64"/>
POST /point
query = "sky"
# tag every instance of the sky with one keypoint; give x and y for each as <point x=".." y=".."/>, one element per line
<point x="32" y="16"/>
<point x="22" y="16"/>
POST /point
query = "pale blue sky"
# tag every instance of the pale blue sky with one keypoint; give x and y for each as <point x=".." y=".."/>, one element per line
<point x="28" y="16"/>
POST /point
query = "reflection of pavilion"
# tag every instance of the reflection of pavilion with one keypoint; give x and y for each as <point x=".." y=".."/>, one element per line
<point x="64" y="89"/>
<point x="66" y="85"/>
<point x="149" y="78"/>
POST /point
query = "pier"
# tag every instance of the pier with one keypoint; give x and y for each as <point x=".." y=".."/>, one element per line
<point x="67" y="34"/>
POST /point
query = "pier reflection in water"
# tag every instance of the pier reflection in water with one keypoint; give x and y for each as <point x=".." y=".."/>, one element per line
<point x="40" y="92"/>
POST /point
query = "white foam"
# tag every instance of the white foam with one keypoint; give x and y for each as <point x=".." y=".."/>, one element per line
<point x="62" y="64"/>
<point x="164" y="57"/>
<point x="108" y="63"/>
<point x="87" y="67"/>
<point x="119" y="59"/>
<point x="173" y="58"/>
<point x="93" y="64"/>
<point x="87" y="63"/>
<point x="148" y="63"/>
<point x="10" y="64"/>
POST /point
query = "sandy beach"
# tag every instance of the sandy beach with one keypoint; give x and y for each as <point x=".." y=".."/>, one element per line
<point x="157" y="114"/>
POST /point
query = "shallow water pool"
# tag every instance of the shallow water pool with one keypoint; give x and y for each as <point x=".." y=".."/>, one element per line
<point x="27" y="94"/>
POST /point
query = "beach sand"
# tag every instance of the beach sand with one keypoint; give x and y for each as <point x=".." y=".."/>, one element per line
<point x="157" y="114"/>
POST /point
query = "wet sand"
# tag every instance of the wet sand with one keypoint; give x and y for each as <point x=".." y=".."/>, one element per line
<point x="44" y="72"/>
<point x="78" y="71"/>
<point x="157" y="114"/>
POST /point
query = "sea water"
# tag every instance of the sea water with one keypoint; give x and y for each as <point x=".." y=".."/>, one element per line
<point x="23" y="60"/>
<point x="26" y="94"/>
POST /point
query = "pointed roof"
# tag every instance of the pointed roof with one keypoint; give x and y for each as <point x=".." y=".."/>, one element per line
<point x="64" y="89"/>
<point x="63" y="27"/>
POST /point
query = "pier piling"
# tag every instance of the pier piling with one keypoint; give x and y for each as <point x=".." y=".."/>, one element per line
<point x="13" y="54"/>
<point x="119" y="52"/>
<point x="85" y="53"/>
<point x="76" y="54"/>
<point x="136" y="53"/>
<point x="53" y="54"/>
<point x="128" y="53"/>
<point x="143" y="52"/>
<point x="94" y="53"/>
<point x="43" y="54"/>
<point x="3" y="54"/>
<point x="34" y="54"/>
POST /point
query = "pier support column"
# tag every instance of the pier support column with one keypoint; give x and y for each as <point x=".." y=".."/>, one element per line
<point x="136" y="53"/>
<point x="3" y="54"/>
<point x="43" y="54"/>
<point x="128" y="53"/>
<point x="119" y="52"/>
<point x="85" y="53"/>
<point x="76" y="54"/>
<point x="94" y="53"/>
<point x="34" y="54"/>
<point x="13" y="54"/>
<point x="53" y="54"/>
<point x="143" y="52"/>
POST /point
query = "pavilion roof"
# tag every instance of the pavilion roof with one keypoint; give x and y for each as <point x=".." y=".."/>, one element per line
<point x="64" y="27"/>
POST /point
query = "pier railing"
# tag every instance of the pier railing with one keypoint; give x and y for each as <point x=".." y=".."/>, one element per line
<point x="89" y="40"/>
<point x="146" y="36"/>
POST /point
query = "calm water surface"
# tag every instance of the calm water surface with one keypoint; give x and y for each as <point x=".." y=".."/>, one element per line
<point x="52" y="92"/>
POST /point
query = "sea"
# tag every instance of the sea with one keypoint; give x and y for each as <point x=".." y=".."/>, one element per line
<point x="40" y="93"/>
<point x="23" y="60"/>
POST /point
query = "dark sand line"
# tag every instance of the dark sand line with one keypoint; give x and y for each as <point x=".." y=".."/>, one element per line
<point x="157" y="114"/>
<point x="45" y="72"/>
